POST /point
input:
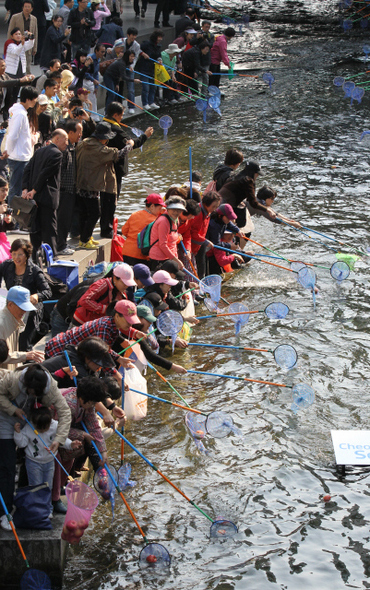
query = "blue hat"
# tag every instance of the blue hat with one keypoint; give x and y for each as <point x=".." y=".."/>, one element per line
<point x="142" y="272"/>
<point x="21" y="297"/>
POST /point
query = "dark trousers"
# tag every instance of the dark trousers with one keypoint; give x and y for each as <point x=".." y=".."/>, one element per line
<point x="41" y="32"/>
<point x="44" y="229"/>
<point x="144" y="5"/>
<point x="192" y="84"/>
<point x="89" y="215"/>
<point x="108" y="203"/>
<point x="162" y="6"/>
<point x="7" y="472"/>
<point x="25" y="337"/>
<point x="64" y="218"/>
<point x="132" y="261"/>
<point x="214" y="80"/>
<point x="200" y="258"/>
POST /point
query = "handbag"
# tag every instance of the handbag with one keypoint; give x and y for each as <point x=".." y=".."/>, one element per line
<point x="116" y="253"/>
<point x="24" y="211"/>
<point x="32" y="507"/>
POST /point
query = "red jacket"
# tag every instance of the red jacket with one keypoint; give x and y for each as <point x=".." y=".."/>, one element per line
<point x="198" y="230"/>
<point x="93" y="304"/>
<point x="185" y="230"/>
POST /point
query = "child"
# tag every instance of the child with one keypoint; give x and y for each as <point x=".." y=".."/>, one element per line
<point x="39" y="462"/>
<point x="6" y="221"/>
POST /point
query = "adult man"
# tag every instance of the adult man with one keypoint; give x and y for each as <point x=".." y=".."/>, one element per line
<point x="28" y="26"/>
<point x="108" y="200"/>
<point x="54" y="66"/>
<point x="191" y="62"/>
<point x="97" y="57"/>
<point x="67" y="187"/>
<point x="219" y="54"/>
<point x="7" y="82"/>
<point x="64" y="13"/>
<point x="185" y="22"/>
<point x="163" y="6"/>
<point x="41" y="182"/>
<point x="130" y="44"/>
<point x="81" y="19"/>
<point x="40" y="9"/>
<point x="18" y="146"/>
<point x="95" y="173"/>
<point x="17" y="304"/>
<point x="206" y="25"/>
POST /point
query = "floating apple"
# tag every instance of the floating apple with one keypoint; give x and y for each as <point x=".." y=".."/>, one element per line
<point x="327" y="498"/>
<point x="199" y="434"/>
<point x="151" y="558"/>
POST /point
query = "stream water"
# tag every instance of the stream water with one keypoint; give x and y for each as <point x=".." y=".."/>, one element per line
<point x="270" y="482"/>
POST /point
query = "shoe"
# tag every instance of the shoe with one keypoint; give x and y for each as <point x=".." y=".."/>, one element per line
<point x="154" y="106"/>
<point x="66" y="251"/>
<point x="131" y="111"/>
<point x="156" y="25"/>
<point x="95" y="242"/>
<point x="173" y="101"/>
<point x="107" y="235"/>
<point x="142" y="13"/>
<point x="146" y="107"/>
<point x="88" y="246"/>
<point x="5" y="524"/>
<point x="182" y="99"/>
<point x="59" y="507"/>
<point x="51" y="515"/>
<point x="137" y="15"/>
<point x="167" y="25"/>
<point x="74" y="237"/>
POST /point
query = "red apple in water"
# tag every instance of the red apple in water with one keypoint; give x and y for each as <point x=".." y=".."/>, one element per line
<point x="151" y="559"/>
<point x="71" y="525"/>
<point x="327" y="498"/>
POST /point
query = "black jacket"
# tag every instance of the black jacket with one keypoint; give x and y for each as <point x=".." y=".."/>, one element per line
<point x="221" y="175"/>
<point x="81" y="33"/>
<point x="42" y="174"/>
<point x="183" y="23"/>
<point x="119" y="142"/>
<point x="117" y="71"/>
<point x="146" y="66"/>
<point x="191" y="60"/>
<point x="238" y="189"/>
<point x="52" y="46"/>
<point x="40" y="7"/>
<point x="33" y="278"/>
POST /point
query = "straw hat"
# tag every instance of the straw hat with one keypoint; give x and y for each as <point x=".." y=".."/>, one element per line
<point x="173" y="48"/>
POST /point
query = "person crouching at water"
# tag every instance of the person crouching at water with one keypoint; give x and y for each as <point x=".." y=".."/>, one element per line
<point x="221" y="220"/>
<point x="164" y="236"/>
<point x="199" y="228"/>
<point x="266" y="196"/>
<point x="154" y="206"/>
<point x="100" y="295"/>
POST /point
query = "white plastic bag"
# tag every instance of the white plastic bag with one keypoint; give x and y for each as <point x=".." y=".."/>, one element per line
<point x="136" y="405"/>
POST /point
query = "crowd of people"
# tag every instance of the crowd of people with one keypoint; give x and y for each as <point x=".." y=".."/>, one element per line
<point x="71" y="165"/>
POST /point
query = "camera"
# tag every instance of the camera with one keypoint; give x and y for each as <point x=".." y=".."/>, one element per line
<point x="9" y="211"/>
<point x="78" y="112"/>
<point x="28" y="36"/>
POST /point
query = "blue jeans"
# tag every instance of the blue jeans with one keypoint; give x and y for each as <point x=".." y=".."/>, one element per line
<point x="16" y="168"/>
<point x="58" y="325"/>
<point x="147" y="91"/>
<point x="39" y="473"/>
<point x="130" y="90"/>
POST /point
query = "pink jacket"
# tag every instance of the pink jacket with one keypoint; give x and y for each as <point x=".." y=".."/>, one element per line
<point x="164" y="241"/>
<point x="99" y="15"/>
<point x="219" y="51"/>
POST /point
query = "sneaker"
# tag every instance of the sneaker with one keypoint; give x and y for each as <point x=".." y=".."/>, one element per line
<point x="5" y="524"/>
<point x="146" y="107"/>
<point x="66" y="251"/>
<point x="131" y="111"/>
<point x="137" y="15"/>
<point x="173" y="101"/>
<point x="59" y="507"/>
<point x="95" y="242"/>
<point x="154" y="106"/>
<point x="88" y="246"/>
<point x="167" y="25"/>
<point x="142" y="13"/>
<point x="156" y="25"/>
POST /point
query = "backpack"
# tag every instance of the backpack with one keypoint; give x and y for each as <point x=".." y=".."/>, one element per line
<point x="211" y="186"/>
<point x="143" y="238"/>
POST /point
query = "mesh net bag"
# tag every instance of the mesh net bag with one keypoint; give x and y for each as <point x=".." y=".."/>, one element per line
<point x="223" y="529"/>
<point x="154" y="555"/>
<point x="285" y="356"/>
<point x="303" y="396"/>
<point x="212" y="286"/>
<point x="33" y="579"/>
<point x="169" y="323"/>
<point x="277" y="311"/>
<point x="82" y="502"/>
<point x="239" y="320"/>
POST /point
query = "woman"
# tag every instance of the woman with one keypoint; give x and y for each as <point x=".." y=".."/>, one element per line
<point x="150" y="48"/>
<point x="164" y="236"/>
<point x="6" y="220"/>
<point x="67" y="79"/>
<point x="95" y="302"/>
<point x="266" y="196"/>
<point x="53" y="43"/>
<point x="19" y="391"/>
<point x="199" y="228"/>
<point x="15" y="57"/>
<point x="184" y="39"/>
<point x="154" y="206"/>
<point x="33" y="119"/>
<point x="81" y="65"/>
<point x="20" y="270"/>
<point x="222" y="220"/>
<point x="100" y="11"/>
<point x="117" y="72"/>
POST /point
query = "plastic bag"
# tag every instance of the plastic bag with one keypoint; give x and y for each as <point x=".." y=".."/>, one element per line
<point x="136" y="405"/>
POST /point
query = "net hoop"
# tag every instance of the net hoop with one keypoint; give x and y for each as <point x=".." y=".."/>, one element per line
<point x="307" y="278"/>
<point x="340" y="271"/>
<point x="277" y="311"/>
<point x="154" y="555"/>
<point x="165" y="122"/>
<point x="303" y="396"/>
<point x="223" y="529"/>
<point x="196" y="424"/>
<point x="103" y="482"/>
<point x="34" y="579"/>
<point x="200" y="104"/>
<point x="170" y="322"/>
<point x="214" y="91"/>
<point x="214" y="101"/>
<point x="219" y="424"/>
<point x="285" y="356"/>
<point x="338" y="81"/>
<point x="211" y="285"/>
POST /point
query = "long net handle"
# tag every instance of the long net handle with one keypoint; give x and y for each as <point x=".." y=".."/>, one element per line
<point x="13" y="529"/>
<point x="169" y="384"/>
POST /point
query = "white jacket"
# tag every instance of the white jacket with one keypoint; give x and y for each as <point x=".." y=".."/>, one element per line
<point x="14" y="53"/>
<point x="35" y="450"/>
<point x="18" y="138"/>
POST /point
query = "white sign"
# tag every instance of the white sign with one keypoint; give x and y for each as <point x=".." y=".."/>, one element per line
<point x="351" y="447"/>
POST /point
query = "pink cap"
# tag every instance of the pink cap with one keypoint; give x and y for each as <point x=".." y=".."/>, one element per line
<point x="128" y="310"/>
<point x="227" y="210"/>
<point x="125" y="273"/>
<point x="162" y="276"/>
